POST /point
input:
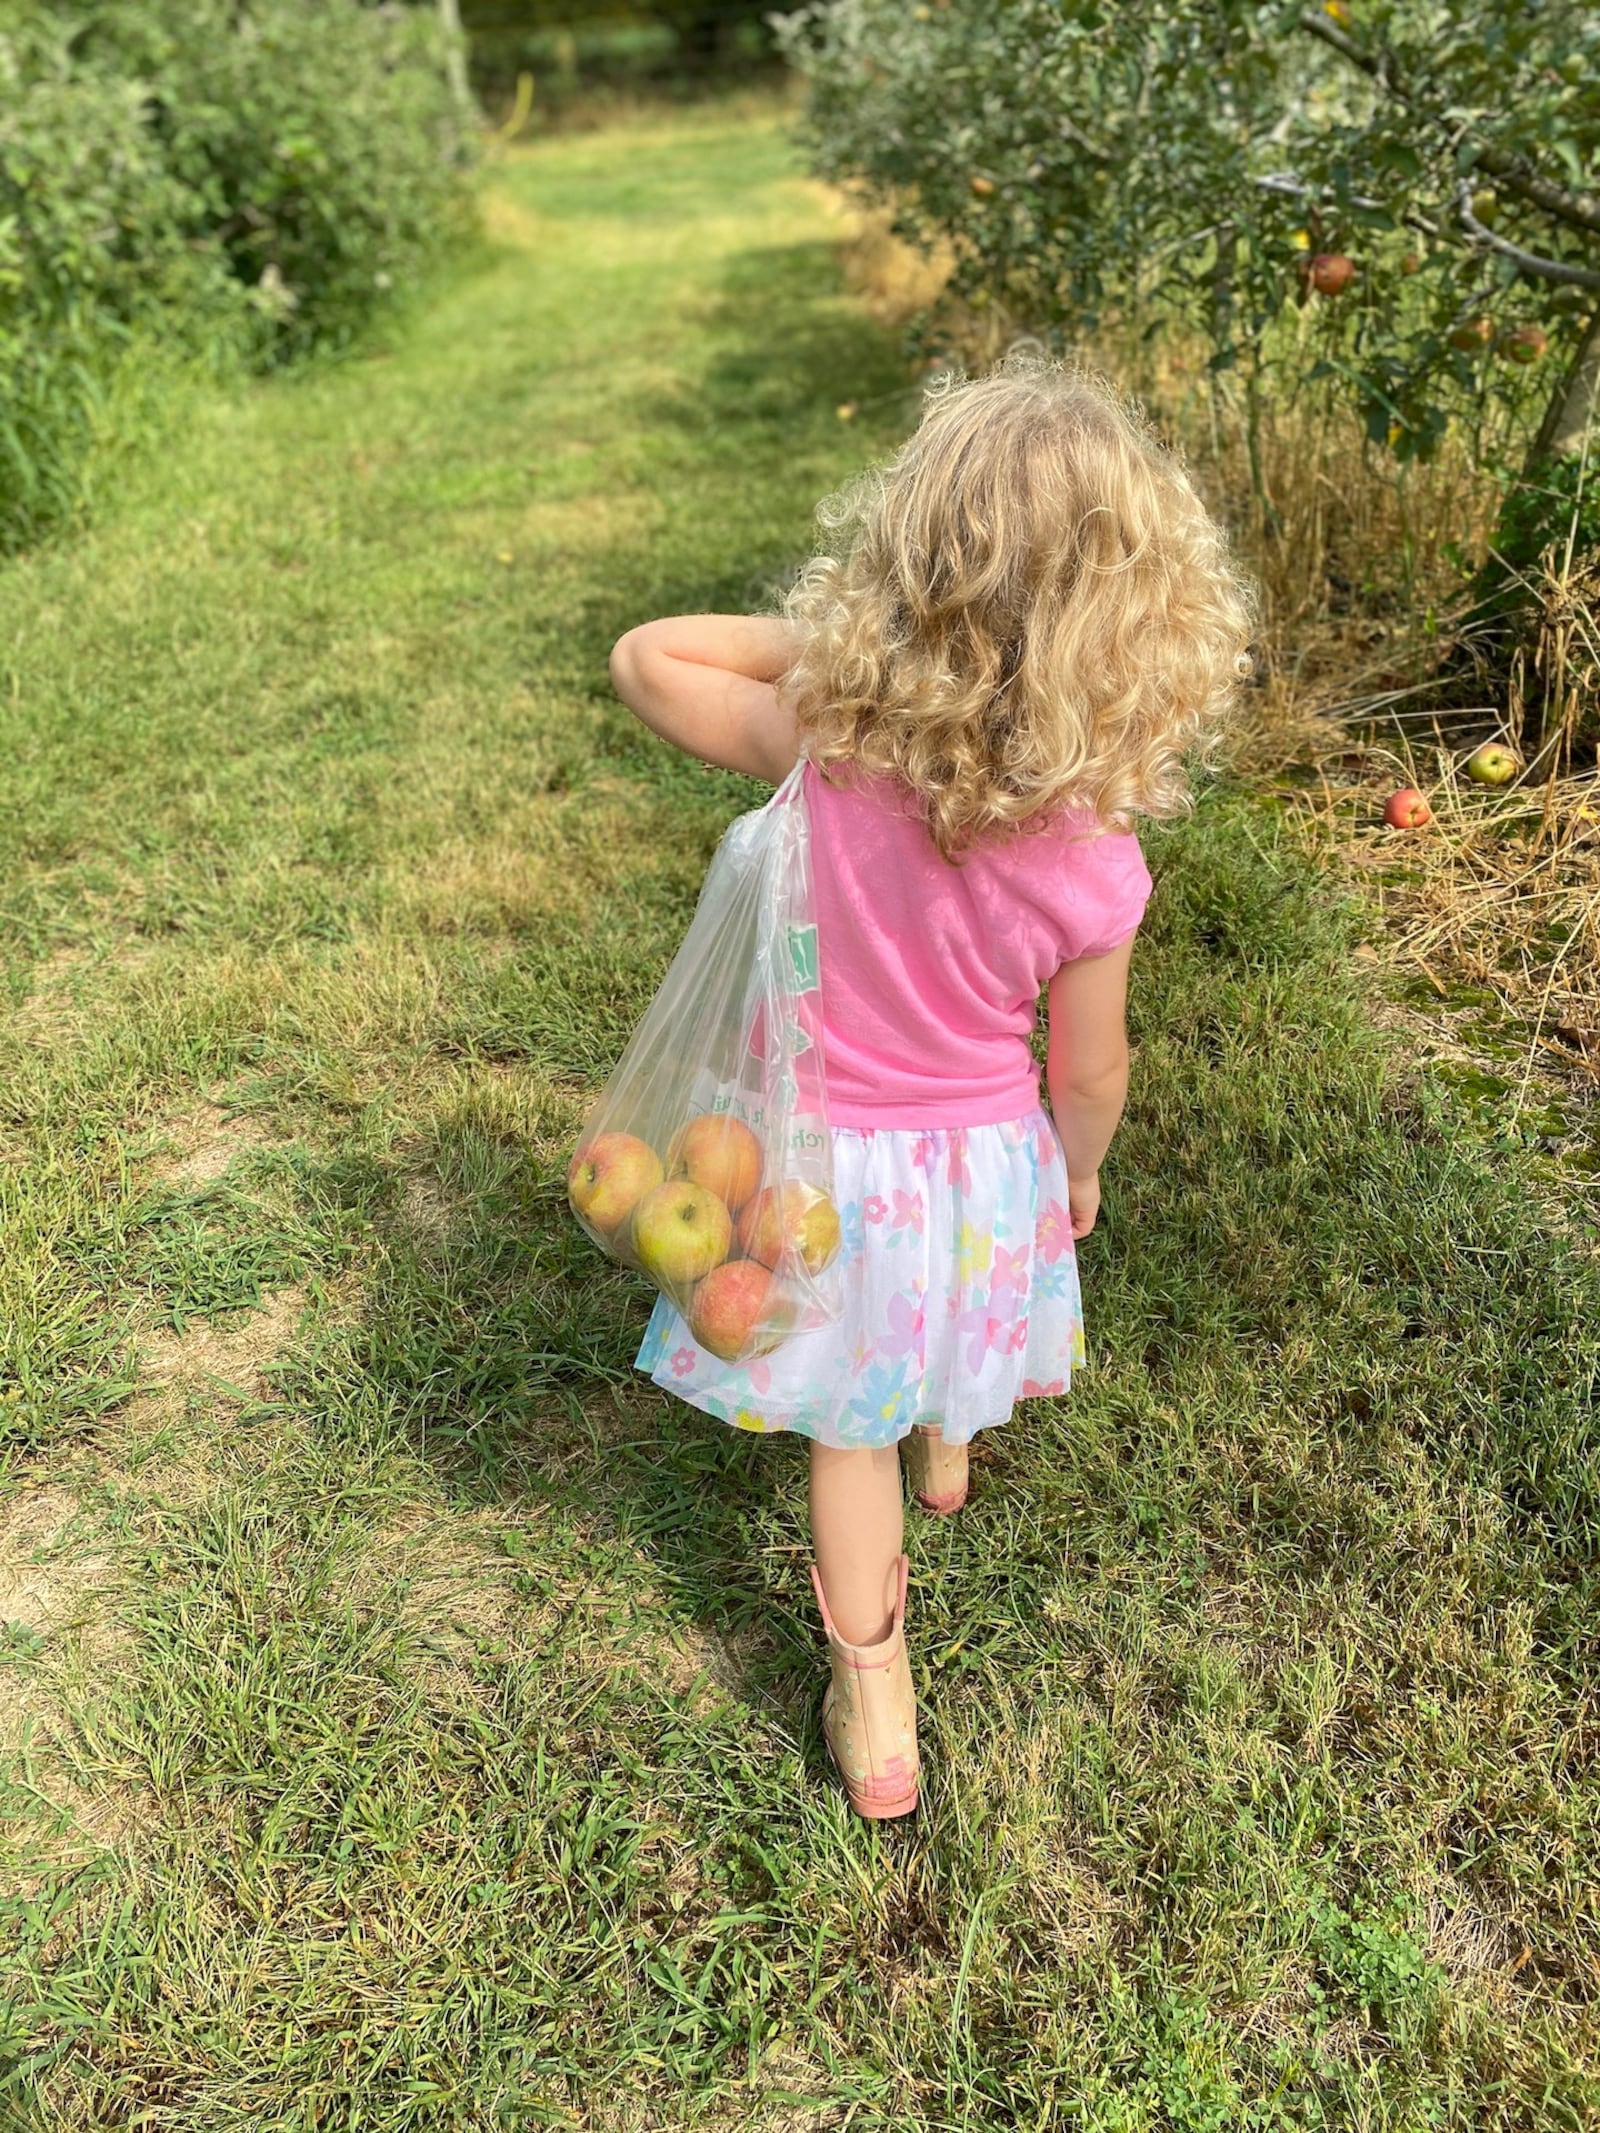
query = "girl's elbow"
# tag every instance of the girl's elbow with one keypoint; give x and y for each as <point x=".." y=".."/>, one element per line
<point x="623" y="658"/>
<point x="627" y="669"/>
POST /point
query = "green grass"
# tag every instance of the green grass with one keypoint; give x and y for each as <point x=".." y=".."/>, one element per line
<point x="413" y="1713"/>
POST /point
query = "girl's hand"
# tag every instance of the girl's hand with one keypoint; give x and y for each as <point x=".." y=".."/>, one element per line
<point x="1083" y="1203"/>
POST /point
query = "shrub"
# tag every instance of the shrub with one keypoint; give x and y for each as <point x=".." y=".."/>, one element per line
<point x="235" y="183"/>
<point x="93" y="254"/>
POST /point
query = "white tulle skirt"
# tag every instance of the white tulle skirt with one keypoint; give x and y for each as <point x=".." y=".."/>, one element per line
<point x="960" y="1295"/>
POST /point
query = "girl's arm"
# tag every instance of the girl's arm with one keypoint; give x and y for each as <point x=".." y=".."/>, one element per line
<point x="1087" y="1069"/>
<point x="705" y="683"/>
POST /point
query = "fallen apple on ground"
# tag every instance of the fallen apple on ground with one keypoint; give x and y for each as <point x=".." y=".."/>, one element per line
<point x="794" y="1223"/>
<point x="731" y="1303"/>
<point x="1492" y="764"/>
<point x="1407" y="809"/>
<point x="608" y="1177"/>
<point x="680" y="1232"/>
<point x="720" y="1153"/>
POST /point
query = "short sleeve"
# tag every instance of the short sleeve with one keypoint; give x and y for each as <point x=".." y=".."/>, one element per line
<point x="1104" y="886"/>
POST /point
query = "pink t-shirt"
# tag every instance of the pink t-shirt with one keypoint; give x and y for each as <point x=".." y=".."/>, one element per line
<point x="931" y="973"/>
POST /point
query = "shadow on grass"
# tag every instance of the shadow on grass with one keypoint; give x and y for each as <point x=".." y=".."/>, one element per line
<point x="1292" y="1257"/>
<point x="1292" y="1253"/>
<point x="500" y="1340"/>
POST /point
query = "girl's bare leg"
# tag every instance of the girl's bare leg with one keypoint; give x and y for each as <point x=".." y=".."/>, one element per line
<point x="857" y="1534"/>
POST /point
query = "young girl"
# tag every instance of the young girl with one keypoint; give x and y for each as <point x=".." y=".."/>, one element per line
<point x="1030" y="624"/>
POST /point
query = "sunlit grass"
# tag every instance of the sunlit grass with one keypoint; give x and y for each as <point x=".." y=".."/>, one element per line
<point x="416" y="1726"/>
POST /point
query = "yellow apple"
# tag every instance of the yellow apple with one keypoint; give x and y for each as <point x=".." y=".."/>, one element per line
<point x="791" y="1224"/>
<point x="680" y="1232"/>
<point x="1492" y="764"/>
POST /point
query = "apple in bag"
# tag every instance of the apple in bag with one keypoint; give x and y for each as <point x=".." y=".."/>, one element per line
<point x="720" y="1153"/>
<point x="793" y="1224"/>
<point x="680" y="1232"/>
<point x="732" y="1302"/>
<point x="609" y="1176"/>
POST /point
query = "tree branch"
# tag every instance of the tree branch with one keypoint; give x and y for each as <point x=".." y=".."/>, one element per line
<point x="1413" y="218"/>
<point x="1569" y="207"/>
<point x="1532" y="263"/>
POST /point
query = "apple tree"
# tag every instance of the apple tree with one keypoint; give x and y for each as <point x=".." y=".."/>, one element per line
<point x="1422" y="179"/>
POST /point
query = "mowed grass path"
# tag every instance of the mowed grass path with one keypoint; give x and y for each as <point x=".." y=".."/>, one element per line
<point x="410" y="1716"/>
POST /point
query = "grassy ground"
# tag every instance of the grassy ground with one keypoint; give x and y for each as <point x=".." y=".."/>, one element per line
<point x="413" y="1714"/>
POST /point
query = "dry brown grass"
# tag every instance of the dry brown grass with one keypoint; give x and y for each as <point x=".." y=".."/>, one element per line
<point x="196" y="1147"/>
<point x="1555" y="677"/>
<point x="1500" y="891"/>
<point x="55" y="1575"/>
<point x="54" y="1012"/>
<point x="180" y="1433"/>
<point x="1360" y="592"/>
<point x="46" y="1577"/>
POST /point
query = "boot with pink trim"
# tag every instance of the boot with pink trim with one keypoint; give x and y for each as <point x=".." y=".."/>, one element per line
<point x="869" y="1712"/>
<point x="937" y="1471"/>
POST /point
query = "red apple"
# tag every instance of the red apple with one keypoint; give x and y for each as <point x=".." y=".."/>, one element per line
<point x="1407" y="809"/>
<point x="680" y="1232"/>
<point x="609" y="1176"/>
<point x="722" y="1154"/>
<point x="791" y="1224"/>
<point x="1472" y="334"/>
<point x="1331" y="273"/>
<point x="1525" y="344"/>
<point x="1492" y="764"/>
<point x="740" y="1311"/>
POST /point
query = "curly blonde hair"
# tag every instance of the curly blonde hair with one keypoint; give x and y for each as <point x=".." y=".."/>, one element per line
<point x="1031" y="610"/>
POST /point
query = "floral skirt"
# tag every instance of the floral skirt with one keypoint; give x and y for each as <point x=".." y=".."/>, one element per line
<point x="960" y="1289"/>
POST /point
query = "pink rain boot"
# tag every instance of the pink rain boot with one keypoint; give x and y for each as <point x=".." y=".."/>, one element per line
<point x="937" y="1471"/>
<point x="869" y="1713"/>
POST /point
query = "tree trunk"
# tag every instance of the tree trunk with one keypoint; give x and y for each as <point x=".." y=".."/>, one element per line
<point x="455" y="56"/>
<point x="1519" y="641"/>
<point x="1573" y="404"/>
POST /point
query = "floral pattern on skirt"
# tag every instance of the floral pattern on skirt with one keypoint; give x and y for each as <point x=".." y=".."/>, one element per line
<point x="960" y="1286"/>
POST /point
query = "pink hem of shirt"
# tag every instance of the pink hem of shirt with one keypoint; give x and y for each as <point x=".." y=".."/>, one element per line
<point x="957" y="1111"/>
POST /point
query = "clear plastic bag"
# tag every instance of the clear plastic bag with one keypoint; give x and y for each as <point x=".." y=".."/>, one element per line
<point x="707" y="1162"/>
